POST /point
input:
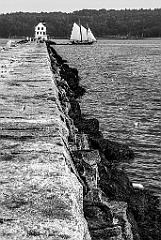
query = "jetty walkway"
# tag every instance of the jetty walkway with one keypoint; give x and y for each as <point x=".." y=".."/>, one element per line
<point x="40" y="197"/>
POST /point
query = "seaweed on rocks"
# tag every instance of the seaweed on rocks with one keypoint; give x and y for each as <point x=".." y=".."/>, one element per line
<point x="113" y="208"/>
<point x="114" y="183"/>
<point x="75" y="111"/>
<point x="87" y="125"/>
<point x="113" y="151"/>
<point x="144" y="206"/>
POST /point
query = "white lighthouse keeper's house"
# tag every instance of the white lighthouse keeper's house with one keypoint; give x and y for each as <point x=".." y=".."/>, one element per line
<point x="40" y="31"/>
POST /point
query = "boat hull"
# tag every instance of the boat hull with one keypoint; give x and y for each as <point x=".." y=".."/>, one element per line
<point x="82" y="43"/>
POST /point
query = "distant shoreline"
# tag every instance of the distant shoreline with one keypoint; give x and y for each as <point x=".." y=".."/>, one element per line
<point x="98" y="38"/>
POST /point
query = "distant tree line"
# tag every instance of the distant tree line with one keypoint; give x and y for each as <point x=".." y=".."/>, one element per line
<point x="103" y="23"/>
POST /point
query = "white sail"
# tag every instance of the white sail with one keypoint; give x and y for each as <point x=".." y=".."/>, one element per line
<point x="90" y="36"/>
<point x="84" y="33"/>
<point x="75" y="35"/>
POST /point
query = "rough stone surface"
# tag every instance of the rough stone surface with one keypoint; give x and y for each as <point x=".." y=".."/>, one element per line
<point x="40" y="197"/>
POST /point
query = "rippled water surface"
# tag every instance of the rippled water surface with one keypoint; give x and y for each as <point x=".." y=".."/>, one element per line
<point x="3" y="41"/>
<point x="123" y="79"/>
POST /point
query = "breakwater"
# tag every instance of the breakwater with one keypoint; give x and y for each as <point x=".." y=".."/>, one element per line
<point x="58" y="172"/>
<point x="40" y="197"/>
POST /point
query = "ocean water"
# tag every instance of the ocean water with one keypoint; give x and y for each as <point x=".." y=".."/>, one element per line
<point x="123" y="82"/>
<point x="3" y="42"/>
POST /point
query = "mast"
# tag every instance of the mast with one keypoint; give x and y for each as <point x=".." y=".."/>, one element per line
<point x="80" y="30"/>
<point x="87" y="31"/>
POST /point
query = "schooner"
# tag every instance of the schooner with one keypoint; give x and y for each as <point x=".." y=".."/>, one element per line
<point x="81" y="35"/>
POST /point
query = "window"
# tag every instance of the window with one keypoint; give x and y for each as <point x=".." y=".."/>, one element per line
<point x="42" y="28"/>
<point x="43" y="33"/>
<point x="38" y="28"/>
<point x="37" y="33"/>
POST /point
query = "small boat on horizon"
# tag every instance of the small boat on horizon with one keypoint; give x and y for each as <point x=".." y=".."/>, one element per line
<point x="81" y="35"/>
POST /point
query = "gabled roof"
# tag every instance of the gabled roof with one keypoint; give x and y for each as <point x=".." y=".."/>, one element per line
<point x="40" y="25"/>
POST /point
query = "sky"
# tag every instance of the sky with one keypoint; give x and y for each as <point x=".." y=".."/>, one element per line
<point x="8" y="6"/>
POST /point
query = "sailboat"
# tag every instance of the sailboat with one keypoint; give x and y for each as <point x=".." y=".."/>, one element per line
<point x="81" y="35"/>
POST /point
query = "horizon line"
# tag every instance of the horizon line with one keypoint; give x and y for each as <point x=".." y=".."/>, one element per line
<point x="81" y="10"/>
